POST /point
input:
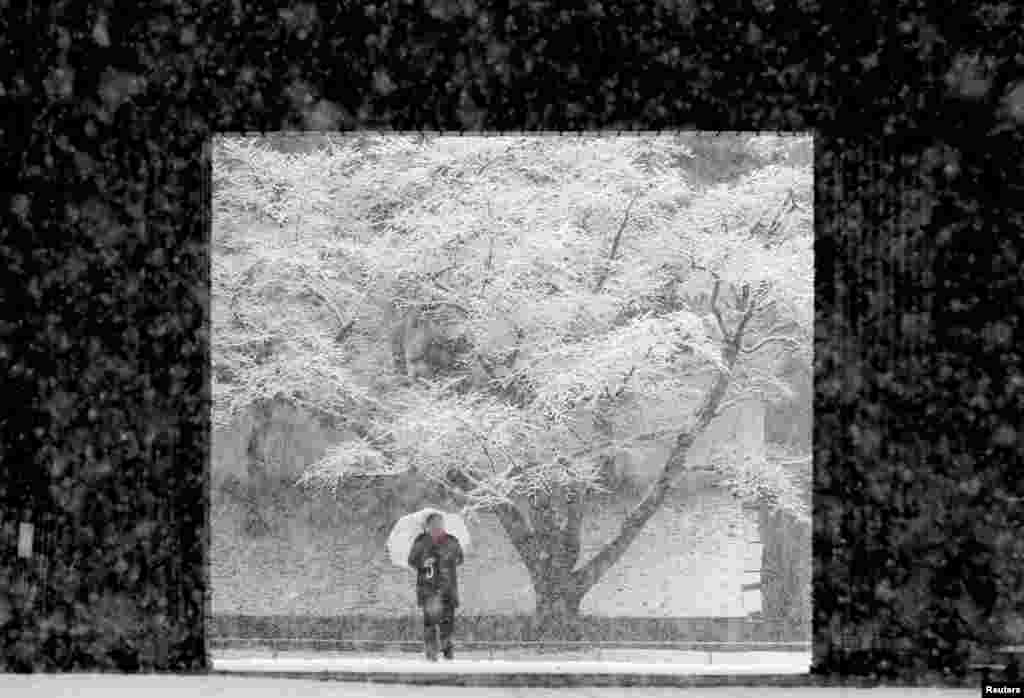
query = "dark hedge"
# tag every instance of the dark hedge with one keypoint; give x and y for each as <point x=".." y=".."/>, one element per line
<point x="229" y="628"/>
<point x="103" y="352"/>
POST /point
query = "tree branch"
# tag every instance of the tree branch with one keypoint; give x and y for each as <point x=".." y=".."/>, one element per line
<point x="615" y="244"/>
<point x="593" y="570"/>
<point x="737" y="298"/>
<point x="653" y="435"/>
<point x="487" y="452"/>
<point x="488" y="369"/>
<point x="590" y="573"/>
<point x="700" y="267"/>
<point x="737" y="339"/>
<point x="327" y="301"/>
<point x="768" y="340"/>
<point x="460" y="482"/>
<point x="513" y="467"/>
<point x="488" y="265"/>
<point x="435" y="275"/>
<point x="429" y="305"/>
<point x="726" y="405"/>
<point x="625" y="383"/>
<point x="717" y="312"/>
<point x="761" y="293"/>
<point x="345" y="331"/>
<point x="509" y="515"/>
<point x="492" y="161"/>
<point x="518" y="529"/>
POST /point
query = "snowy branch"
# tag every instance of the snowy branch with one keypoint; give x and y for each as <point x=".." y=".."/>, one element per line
<point x="613" y="253"/>
<point x="716" y="311"/>
<point x="768" y="340"/>
<point x="327" y="301"/>
<point x="559" y="327"/>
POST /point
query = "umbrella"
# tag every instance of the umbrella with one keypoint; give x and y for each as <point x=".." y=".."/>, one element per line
<point x="411" y="525"/>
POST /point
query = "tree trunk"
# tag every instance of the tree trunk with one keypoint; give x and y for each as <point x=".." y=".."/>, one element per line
<point x="550" y="547"/>
<point x="556" y="615"/>
<point x="558" y="594"/>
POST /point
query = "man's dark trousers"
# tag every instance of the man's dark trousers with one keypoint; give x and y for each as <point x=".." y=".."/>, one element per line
<point x="438" y="624"/>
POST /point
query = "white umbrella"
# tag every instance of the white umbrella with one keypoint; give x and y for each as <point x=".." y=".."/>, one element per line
<point x="403" y="534"/>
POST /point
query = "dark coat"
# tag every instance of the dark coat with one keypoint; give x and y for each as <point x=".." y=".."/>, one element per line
<point x="435" y="566"/>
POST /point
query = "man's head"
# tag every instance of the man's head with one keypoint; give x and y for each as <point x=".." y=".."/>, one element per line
<point x="435" y="524"/>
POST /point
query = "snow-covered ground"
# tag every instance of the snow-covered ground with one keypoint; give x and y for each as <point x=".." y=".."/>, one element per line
<point x="88" y="686"/>
<point x="615" y="654"/>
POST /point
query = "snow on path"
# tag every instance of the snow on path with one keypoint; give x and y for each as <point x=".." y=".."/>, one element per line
<point x="108" y="686"/>
<point x="714" y="657"/>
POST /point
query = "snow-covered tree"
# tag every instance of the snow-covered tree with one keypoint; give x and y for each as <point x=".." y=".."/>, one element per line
<point x="596" y="296"/>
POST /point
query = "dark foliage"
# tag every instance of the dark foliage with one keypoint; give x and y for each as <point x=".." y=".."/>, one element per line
<point x="104" y="425"/>
<point x="230" y="629"/>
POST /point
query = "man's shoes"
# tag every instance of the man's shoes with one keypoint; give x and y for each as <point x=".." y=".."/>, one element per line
<point x="431" y="656"/>
<point x="449" y="652"/>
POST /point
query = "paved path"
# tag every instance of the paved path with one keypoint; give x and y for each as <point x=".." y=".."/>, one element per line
<point x="650" y="663"/>
<point x="88" y="686"/>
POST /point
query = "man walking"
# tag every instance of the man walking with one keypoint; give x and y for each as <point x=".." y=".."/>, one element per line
<point x="435" y="554"/>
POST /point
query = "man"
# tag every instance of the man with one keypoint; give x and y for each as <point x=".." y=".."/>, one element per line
<point x="435" y="554"/>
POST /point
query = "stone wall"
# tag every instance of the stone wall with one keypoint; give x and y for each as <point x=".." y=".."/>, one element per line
<point x="690" y="559"/>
